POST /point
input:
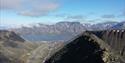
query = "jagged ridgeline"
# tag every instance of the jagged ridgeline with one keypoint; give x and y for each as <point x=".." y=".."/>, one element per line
<point x="115" y="38"/>
<point x="92" y="47"/>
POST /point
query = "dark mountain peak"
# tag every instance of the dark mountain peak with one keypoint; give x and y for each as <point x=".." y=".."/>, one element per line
<point x="85" y="48"/>
<point x="9" y="36"/>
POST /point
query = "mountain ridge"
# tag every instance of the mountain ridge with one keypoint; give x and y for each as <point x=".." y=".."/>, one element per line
<point x="87" y="47"/>
<point x="62" y="29"/>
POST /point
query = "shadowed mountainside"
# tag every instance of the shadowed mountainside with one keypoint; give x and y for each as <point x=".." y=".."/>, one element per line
<point x="89" y="47"/>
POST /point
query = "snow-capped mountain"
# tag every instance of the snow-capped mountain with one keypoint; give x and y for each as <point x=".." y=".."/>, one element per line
<point x="60" y="30"/>
<point x="62" y="27"/>
<point x="120" y="25"/>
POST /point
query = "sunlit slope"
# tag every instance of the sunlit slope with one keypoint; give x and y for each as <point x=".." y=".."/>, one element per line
<point x="13" y="49"/>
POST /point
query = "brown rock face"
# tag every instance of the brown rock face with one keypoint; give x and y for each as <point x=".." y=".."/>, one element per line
<point x="89" y="47"/>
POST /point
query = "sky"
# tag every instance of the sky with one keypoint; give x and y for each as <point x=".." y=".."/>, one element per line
<point x="23" y="12"/>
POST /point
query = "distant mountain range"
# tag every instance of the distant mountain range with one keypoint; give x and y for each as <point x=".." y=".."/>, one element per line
<point x="63" y="30"/>
<point x="65" y="27"/>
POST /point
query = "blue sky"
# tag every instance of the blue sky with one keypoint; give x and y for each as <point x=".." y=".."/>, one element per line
<point x="18" y="12"/>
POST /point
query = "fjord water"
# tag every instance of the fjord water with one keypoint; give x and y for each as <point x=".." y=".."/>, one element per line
<point x="48" y="37"/>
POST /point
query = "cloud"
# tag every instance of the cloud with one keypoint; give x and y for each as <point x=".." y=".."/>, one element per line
<point x="124" y="13"/>
<point x="108" y="16"/>
<point x="29" y="7"/>
<point x="9" y="4"/>
<point x="63" y="15"/>
<point x="75" y="17"/>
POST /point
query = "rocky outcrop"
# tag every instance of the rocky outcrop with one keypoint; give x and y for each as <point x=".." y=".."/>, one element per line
<point x="85" y="48"/>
